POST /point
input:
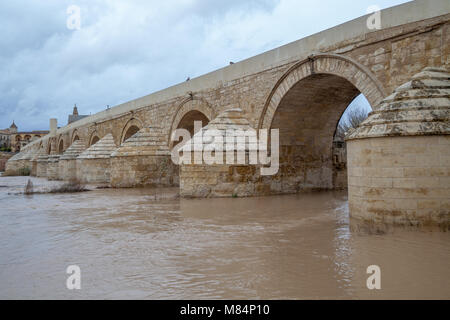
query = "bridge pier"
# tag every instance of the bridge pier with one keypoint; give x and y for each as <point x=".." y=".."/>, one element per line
<point x="68" y="161"/>
<point x="221" y="179"/>
<point x="13" y="164"/>
<point x="53" y="156"/>
<point x="399" y="158"/>
<point x="41" y="167"/>
<point x="26" y="160"/>
<point x="19" y="163"/>
<point x="53" y="167"/>
<point x="94" y="164"/>
<point x="143" y="160"/>
<point x="33" y="164"/>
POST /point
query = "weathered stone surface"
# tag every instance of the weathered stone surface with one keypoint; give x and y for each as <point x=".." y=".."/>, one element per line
<point x="419" y="107"/>
<point x="19" y="162"/>
<point x="42" y="161"/>
<point x="101" y="150"/>
<point x="219" y="180"/>
<point x="94" y="164"/>
<point x="391" y="179"/>
<point x="74" y="151"/>
<point x="68" y="161"/>
<point x="399" y="158"/>
<point x="143" y="160"/>
<point x="53" y="167"/>
<point x="34" y="161"/>
<point x="13" y="164"/>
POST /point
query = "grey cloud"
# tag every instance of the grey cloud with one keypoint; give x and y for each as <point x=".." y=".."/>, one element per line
<point x="127" y="49"/>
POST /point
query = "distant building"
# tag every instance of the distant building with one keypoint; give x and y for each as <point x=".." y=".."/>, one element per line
<point x="75" y="116"/>
<point x="12" y="138"/>
<point x="5" y="136"/>
<point x="5" y="141"/>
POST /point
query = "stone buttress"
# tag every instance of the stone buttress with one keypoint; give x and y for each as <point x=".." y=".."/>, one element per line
<point x="42" y="163"/>
<point x="34" y="161"/>
<point x="68" y="161"/>
<point x="53" y="166"/>
<point x="221" y="180"/>
<point x="94" y="164"/>
<point x="18" y="162"/>
<point x="143" y="160"/>
<point x="399" y="157"/>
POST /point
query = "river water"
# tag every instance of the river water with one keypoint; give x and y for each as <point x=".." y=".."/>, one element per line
<point x="148" y="244"/>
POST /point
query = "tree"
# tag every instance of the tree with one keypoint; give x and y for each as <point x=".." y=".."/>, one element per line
<point x="351" y="119"/>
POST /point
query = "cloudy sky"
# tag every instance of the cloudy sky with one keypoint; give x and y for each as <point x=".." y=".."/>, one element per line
<point x="126" y="49"/>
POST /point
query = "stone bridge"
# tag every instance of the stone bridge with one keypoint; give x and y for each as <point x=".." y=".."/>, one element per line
<point x="302" y="89"/>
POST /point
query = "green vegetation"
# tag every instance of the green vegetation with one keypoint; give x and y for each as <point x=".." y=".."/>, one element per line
<point x="69" y="187"/>
<point x="25" y="171"/>
<point x="352" y="120"/>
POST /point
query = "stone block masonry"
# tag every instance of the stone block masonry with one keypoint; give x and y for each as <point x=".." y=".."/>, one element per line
<point x="68" y="161"/>
<point x="41" y="166"/>
<point x="53" y="167"/>
<point x="4" y="157"/>
<point x="94" y="164"/>
<point x="399" y="158"/>
<point x="402" y="180"/>
<point x="143" y="160"/>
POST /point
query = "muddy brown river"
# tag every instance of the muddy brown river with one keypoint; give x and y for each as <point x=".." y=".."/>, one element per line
<point x="148" y="244"/>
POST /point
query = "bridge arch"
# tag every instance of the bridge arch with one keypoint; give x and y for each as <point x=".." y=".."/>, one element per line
<point x="75" y="136"/>
<point x="94" y="138"/>
<point x="131" y="127"/>
<point x="331" y="64"/>
<point x="305" y="106"/>
<point x="189" y="110"/>
<point x="49" y="146"/>
<point x="61" y="145"/>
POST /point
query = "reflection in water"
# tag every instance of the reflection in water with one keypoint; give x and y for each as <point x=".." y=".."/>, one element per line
<point x="147" y="244"/>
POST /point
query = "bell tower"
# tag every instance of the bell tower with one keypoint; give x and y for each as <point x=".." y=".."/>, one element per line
<point x="13" y="128"/>
<point x="75" y="110"/>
